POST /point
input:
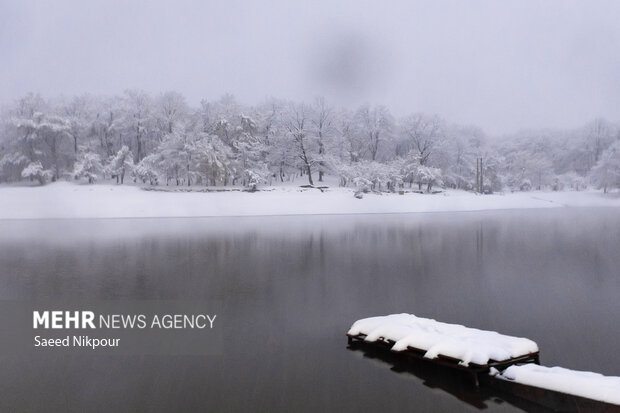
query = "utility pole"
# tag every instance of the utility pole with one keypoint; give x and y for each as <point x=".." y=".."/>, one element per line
<point x="476" y="187"/>
<point x="479" y="176"/>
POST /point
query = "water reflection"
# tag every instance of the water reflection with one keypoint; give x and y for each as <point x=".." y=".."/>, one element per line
<point x="291" y="287"/>
<point x="457" y="383"/>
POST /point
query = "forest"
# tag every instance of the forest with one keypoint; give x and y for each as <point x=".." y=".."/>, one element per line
<point x="162" y="140"/>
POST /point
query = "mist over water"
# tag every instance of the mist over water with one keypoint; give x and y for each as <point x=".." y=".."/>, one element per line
<point x="291" y="287"/>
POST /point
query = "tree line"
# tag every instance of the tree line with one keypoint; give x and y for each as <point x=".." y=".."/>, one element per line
<point x="161" y="140"/>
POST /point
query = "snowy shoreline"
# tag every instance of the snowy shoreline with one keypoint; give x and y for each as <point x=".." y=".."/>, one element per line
<point x="67" y="200"/>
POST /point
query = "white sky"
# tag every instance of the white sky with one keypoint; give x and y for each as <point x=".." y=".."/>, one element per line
<point x="503" y="65"/>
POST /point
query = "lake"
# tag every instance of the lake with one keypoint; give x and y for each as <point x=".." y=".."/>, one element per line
<point x="290" y="288"/>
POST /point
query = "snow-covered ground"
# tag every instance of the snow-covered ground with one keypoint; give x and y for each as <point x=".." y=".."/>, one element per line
<point x="67" y="200"/>
<point x="580" y="383"/>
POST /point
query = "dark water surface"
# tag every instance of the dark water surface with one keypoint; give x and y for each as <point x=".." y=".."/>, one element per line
<point x="291" y="287"/>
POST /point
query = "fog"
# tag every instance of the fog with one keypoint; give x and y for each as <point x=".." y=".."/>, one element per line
<point x="501" y="65"/>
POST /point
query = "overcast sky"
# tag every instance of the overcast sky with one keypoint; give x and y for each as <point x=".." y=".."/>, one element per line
<point x="502" y="65"/>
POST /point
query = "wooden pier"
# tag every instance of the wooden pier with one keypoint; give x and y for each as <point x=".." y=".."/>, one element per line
<point x="457" y="382"/>
<point x="496" y="362"/>
<point x="475" y="370"/>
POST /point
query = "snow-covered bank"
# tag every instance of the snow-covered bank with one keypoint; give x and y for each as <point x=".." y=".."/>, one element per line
<point x="66" y="200"/>
<point x="580" y="383"/>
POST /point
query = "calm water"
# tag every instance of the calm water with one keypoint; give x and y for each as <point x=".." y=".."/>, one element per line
<point x="291" y="287"/>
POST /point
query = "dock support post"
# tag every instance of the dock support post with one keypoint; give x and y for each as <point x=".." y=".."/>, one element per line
<point x="476" y="380"/>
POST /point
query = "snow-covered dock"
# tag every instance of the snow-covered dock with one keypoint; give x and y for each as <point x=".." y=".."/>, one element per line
<point x="505" y="363"/>
<point x="453" y="345"/>
<point x="586" y="384"/>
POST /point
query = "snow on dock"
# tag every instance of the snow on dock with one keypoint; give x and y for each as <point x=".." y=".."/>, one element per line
<point x="512" y="363"/>
<point x="579" y="383"/>
<point x="406" y="332"/>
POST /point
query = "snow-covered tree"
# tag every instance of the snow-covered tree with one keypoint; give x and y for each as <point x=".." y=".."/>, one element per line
<point x="322" y="118"/>
<point x="137" y="121"/>
<point x="172" y="109"/>
<point x="305" y="147"/>
<point x="35" y="170"/>
<point x="224" y="142"/>
<point x="373" y="124"/>
<point x="120" y="164"/>
<point x="427" y="176"/>
<point x="88" y="165"/>
<point x="598" y="136"/>
<point x="248" y="148"/>
<point x="606" y="172"/>
<point x="351" y="146"/>
<point x="147" y="171"/>
<point x="211" y="158"/>
<point x="253" y="178"/>
<point x="76" y="112"/>
<point x="175" y="163"/>
<point x="422" y="133"/>
<point x="11" y="165"/>
<point x="42" y="136"/>
<point x="106" y="125"/>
